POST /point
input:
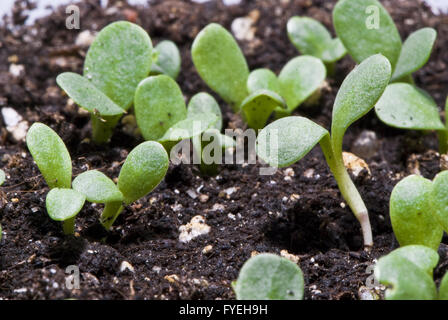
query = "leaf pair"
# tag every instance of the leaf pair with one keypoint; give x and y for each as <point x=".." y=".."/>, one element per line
<point x="408" y="272"/>
<point x="366" y="28"/>
<point x="269" y="277"/>
<point x="54" y="162"/>
<point x="287" y="140"/>
<point x="419" y="210"/>
<point x="118" y="59"/>
<point x="310" y="37"/>
<point x="222" y="65"/>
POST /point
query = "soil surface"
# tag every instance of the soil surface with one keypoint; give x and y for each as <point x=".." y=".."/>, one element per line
<point x="298" y="210"/>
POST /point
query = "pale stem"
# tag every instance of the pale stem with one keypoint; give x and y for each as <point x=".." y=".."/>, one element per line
<point x="69" y="226"/>
<point x="110" y="213"/>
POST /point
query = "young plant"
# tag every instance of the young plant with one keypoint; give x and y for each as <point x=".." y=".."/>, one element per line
<point x="269" y="277"/>
<point x="2" y="177"/>
<point x="143" y="169"/>
<point x="405" y="106"/>
<point x="287" y="140"/>
<point x="366" y="28"/>
<point x="118" y="59"/>
<point x="310" y="37"/>
<point x="222" y="65"/>
<point x="54" y="162"/>
<point x="408" y="274"/>
<point x="162" y="115"/>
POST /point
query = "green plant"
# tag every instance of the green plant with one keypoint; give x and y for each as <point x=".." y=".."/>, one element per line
<point x="269" y="277"/>
<point x="222" y="65"/>
<point x="408" y="274"/>
<point x="310" y="37"/>
<point x="366" y="28"/>
<point x="2" y="177"/>
<point x="287" y="140"/>
<point x="119" y="58"/>
<point x="54" y="162"/>
<point x="405" y="106"/>
<point x="418" y="210"/>
<point x="143" y="169"/>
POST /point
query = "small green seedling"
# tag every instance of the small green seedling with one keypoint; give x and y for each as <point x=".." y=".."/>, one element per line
<point x="162" y="115"/>
<point x="310" y="37"/>
<point x="287" y="140"/>
<point x="222" y="65"/>
<point x="119" y="58"/>
<point x="405" y="106"/>
<point x="2" y="177"/>
<point x="366" y="28"/>
<point x="143" y="169"/>
<point x="54" y="162"/>
<point x="412" y="215"/>
<point x="408" y="274"/>
<point x="269" y="277"/>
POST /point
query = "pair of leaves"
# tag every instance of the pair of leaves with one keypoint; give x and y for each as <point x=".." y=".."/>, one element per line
<point x="296" y="136"/>
<point x="143" y="169"/>
<point x="269" y="277"/>
<point x="366" y="28"/>
<point x="310" y="37"/>
<point x="419" y="210"/>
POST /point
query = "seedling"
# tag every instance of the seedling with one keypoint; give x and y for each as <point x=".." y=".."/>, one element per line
<point x="162" y="115"/>
<point x="310" y="37"/>
<point x="408" y="274"/>
<point x="222" y="65"/>
<point x="287" y="140"/>
<point x="269" y="277"/>
<point x="54" y="162"/>
<point x="143" y="169"/>
<point x="366" y="28"/>
<point x="2" y="177"/>
<point x="405" y="106"/>
<point x="118" y="59"/>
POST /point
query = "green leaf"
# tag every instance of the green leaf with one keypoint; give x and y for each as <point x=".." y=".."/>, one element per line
<point x="2" y="177"/>
<point x="411" y="215"/>
<point x="443" y="289"/>
<point x="64" y="204"/>
<point x="258" y="106"/>
<point x="158" y="104"/>
<point x="201" y="103"/>
<point x="97" y="187"/>
<point x="423" y="257"/>
<point x="220" y="63"/>
<point x="439" y="199"/>
<point x="405" y="106"/>
<point x="84" y="93"/>
<point x="144" y="168"/>
<point x="300" y="78"/>
<point x="406" y="280"/>
<point x="168" y="59"/>
<point x="263" y="79"/>
<point x="118" y="59"/>
<point x="190" y="127"/>
<point x="269" y="277"/>
<point x="288" y="140"/>
<point x="358" y="94"/>
<point x="310" y="37"/>
<point x="366" y="28"/>
<point x="415" y="52"/>
<point x="50" y="154"/>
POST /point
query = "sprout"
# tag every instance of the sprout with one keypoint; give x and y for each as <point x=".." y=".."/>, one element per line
<point x="407" y="272"/>
<point x="221" y="64"/>
<point x="366" y="28"/>
<point x="405" y="106"/>
<point x="269" y="277"/>
<point x="144" y="168"/>
<point x="411" y="214"/>
<point x="310" y="37"/>
<point x="2" y="177"/>
<point x="118" y="59"/>
<point x="287" y="140"/>
<point x="54" y="162"/>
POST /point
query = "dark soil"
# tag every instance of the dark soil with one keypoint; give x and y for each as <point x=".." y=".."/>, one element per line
<point x="303" y="214"/>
